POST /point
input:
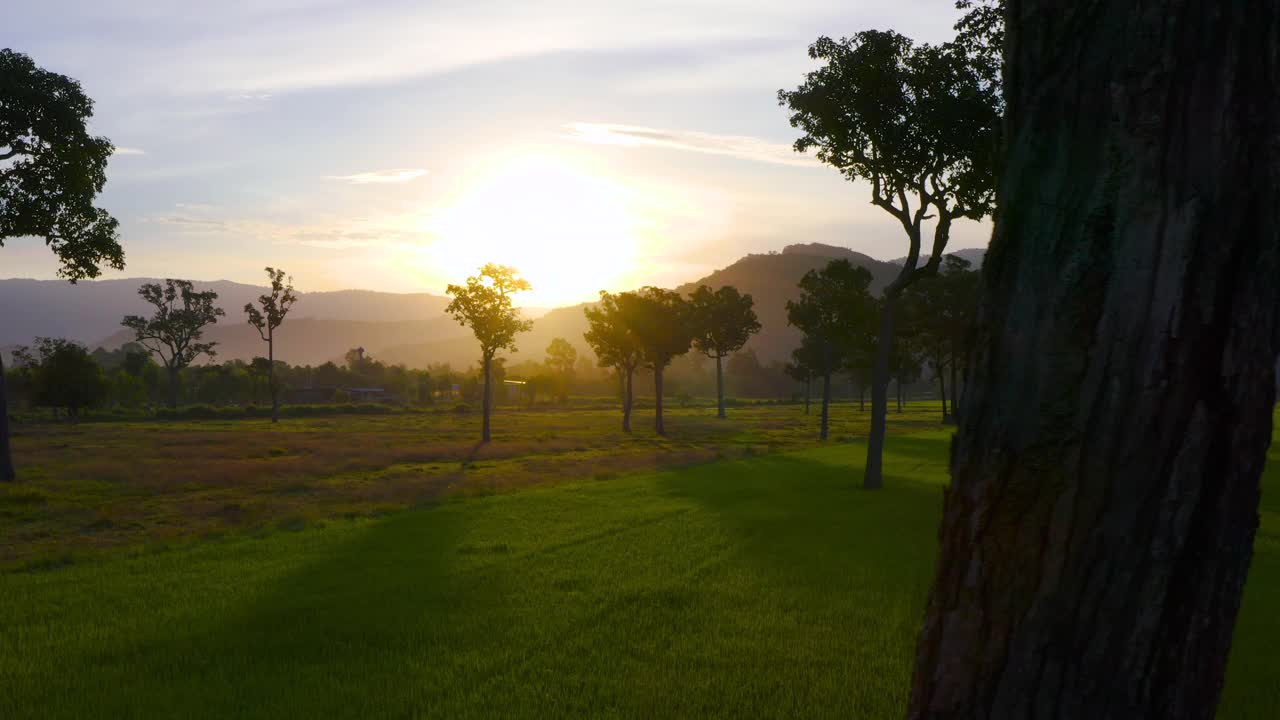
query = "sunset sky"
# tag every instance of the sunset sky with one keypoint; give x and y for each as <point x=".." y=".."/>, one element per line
<point x="397" y="145"/>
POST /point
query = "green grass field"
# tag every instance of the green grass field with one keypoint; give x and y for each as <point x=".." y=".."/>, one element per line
<point x="609" y="578"/>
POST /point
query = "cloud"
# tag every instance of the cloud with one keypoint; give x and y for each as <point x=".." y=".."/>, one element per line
<point x="381" y="176"/>
<point x="744" y="147"/>
<point x="129" y="151"/>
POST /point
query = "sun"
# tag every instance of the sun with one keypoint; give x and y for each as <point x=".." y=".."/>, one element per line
<point x="569" y="232"/>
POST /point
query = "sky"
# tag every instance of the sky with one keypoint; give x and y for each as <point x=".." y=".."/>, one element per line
<point x="397" y="145"/>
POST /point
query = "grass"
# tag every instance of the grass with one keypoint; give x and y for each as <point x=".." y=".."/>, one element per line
<point x="758" y="586"/>
<point x="91" y="487"/>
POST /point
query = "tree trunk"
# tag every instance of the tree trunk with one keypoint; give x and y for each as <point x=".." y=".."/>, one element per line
<point x="626" y="400"/>
<point x="1100" y="520"/>
<point x="719" y="387"/>
<point x="487" y="402"/>
<point x="271" y="376"/>
<point x="657" y="400"/>
<point x="862" y="397"/>
<point x="897" y="384"/>
<point x="173" y="387"/>
<point x="874" y="477"/>
<point x="808" y="383"/>
<point x="7" y="473"/>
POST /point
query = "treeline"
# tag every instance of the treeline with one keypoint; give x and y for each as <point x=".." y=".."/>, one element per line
<point x="841" y="320"/>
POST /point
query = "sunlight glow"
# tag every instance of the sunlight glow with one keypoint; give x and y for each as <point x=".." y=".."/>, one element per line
<point x="569" y="232"/>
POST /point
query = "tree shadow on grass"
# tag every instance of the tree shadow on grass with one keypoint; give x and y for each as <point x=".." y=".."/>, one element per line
<point x="379" y="625"/>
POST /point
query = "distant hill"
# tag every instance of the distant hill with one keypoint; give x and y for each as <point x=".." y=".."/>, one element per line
<point x="322" y="325"/>
<point x="770" y="279"/>
<point x="973" y="255"/>
<point x="395" y="328"/>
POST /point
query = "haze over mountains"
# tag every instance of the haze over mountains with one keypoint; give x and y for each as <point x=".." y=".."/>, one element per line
<point x="393" y="327"/>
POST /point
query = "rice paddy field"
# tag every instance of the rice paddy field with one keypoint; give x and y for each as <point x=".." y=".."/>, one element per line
<point x="387" y="566"/>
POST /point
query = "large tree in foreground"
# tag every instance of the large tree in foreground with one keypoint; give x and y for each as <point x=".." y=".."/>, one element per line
<point x="275" y="306"/>
<point x="614" y="343"/>
<point x="175" y="332"/>
<point x="722" y="321"/>
<point x="918" y="124"/>
<point x="51" y="169"/>
<point x="485" y="305"/>
<point x="1105" y="475"/>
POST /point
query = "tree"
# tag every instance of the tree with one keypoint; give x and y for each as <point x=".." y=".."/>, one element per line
<point x="722" y="322"/>
<point x="805" y="365"/>
<point x="615" y="344"/>
<point x="833" y="312"/>
<point x="561" y="357"/>
<point x="63" y="375"/>
<point x="1104" y="495"/>
<point x="51" y="169"/>
<point x="275" y="305"/>
<point x="920" y="124"/>
<point x="174" y="333"/>
<point x="936" y="315"/>
<point x="660" y="321"/>
<point x="484" y="304"/>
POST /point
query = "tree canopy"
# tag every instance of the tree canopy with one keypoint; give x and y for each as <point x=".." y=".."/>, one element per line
<point x="485" y="305"/>
<point x="920" y="123"/>
<point x="62" y="374"/>
<point x="175" y="332"/>
<point x="53" y="169"/>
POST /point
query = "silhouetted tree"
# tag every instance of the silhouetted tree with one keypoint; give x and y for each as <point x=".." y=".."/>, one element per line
<point x="805" y="365"/>
<point x="51" y="169"/>
<point x="173" y="334"/>
<point x="660" y="320"/>
<point x="1104" y="497"/>
<point x="722" y="322"/>
<point x="936" y="315"/>
<point x="833" y="312"/>
<point x="275" y="305"/>
<point x="919" y="124"/>
<point x="484" y="304"/>
<point x="561" y="358"/>
<point x="63" y="375"/>
<point x="615" y="344"/>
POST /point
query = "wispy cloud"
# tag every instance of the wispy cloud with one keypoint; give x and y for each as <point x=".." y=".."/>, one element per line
<point x="129" y="151"/>
<point x="744" y="147"/>
<point x="381" y="176"/>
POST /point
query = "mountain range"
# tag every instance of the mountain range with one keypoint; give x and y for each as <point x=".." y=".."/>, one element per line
<point x="395" y="327"/>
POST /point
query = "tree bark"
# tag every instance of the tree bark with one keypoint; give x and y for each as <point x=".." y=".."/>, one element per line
<point x="719" y="388"/>
<point x="873" y="477"/>
<point x="7" y="473"/>
<point x="487" y="402"/>
<point x="657" y="401"/>
<point x="1100" y="520"/>
<point x="626" y="401"/>
<point x="808" y="383"/>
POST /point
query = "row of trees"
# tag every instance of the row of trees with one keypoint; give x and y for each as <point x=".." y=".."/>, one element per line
<point x="647" y="328"/>
<point x="175" y="331"/>
<point x="837" y="314"/>
<point x="651" y="327"/>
